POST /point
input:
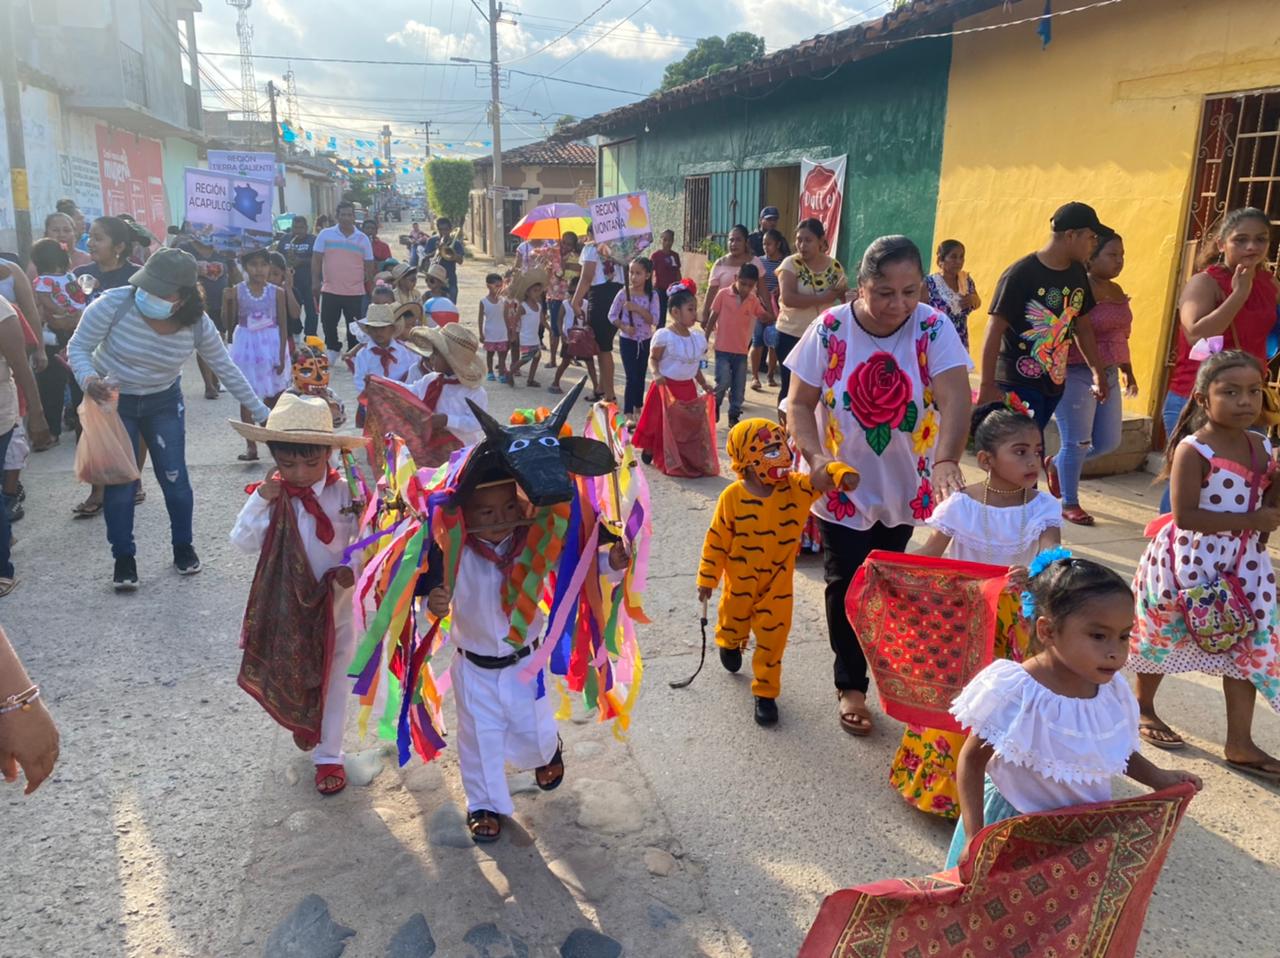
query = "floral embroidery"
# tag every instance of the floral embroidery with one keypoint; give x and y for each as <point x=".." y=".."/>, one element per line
<point x="922" y="504"/>
<point x="926" y="433"/>
<point x="830" y="321"/>
<point x="928" y="396"/>
<point x="835" y="362"/>
<point x="922" y="358"/>
<point x="1015" y="402"/>
<point x="878" y="394"/>
<point x="840" y="505"/>
<point x="942" y="803"/>
<point x="834" y="436"/>
<point x="829" y="399"/>
<point x="931" y="325"/>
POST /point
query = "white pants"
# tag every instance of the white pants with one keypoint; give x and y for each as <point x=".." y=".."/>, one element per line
<point x="338" y="689"/>
<point x="19" y="448"/>
<point x="500" y="720"/>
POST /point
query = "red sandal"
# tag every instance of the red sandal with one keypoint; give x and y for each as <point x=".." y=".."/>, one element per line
<point x="1077" y="515"/>
<point x="326" y="772"/>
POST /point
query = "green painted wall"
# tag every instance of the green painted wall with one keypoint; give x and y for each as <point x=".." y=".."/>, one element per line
<point x="886" y="112"/>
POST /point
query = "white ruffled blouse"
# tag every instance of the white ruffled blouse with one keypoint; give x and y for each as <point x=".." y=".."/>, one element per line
<point x="1051" y="751"/>
<point x="996" y="535"/>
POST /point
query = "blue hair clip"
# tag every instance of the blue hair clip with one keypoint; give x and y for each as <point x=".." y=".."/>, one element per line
<point x="1041" y="562"/>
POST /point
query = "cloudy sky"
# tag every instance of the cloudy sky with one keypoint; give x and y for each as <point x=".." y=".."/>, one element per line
<point x="623" y="44"/>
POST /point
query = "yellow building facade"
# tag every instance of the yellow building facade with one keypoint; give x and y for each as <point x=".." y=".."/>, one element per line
<point x="1156" y="112"/>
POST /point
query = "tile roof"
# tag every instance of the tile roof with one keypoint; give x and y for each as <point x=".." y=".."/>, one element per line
<point x="818" y="54"/>
<point x="546" y="153"/>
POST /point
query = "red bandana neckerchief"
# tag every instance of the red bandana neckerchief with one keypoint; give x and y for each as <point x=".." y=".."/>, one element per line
<point x="306" y="495"/>
<point x="488" y="551"/>
<point x="386" y="354"/>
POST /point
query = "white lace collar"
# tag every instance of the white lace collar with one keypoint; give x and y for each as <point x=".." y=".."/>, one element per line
<point x="1060" y="738"/>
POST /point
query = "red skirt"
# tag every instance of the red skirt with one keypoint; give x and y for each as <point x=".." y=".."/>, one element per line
<point x="677" y="428"/>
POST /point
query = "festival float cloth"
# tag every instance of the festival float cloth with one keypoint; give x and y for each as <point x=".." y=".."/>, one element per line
<point x="927" y="626"/>
<point x="287" y="635"/>
<point x="1073" y="882"/>
<point x="391" y="408"/>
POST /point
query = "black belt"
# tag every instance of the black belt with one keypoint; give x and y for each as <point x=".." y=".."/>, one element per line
<point x="500" y="661"/>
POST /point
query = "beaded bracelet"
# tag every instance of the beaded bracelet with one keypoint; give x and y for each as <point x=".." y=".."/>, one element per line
<point x="20" y="702"/>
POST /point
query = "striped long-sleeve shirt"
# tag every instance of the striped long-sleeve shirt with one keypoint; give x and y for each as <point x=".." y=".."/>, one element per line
<point x="143" y="361"/>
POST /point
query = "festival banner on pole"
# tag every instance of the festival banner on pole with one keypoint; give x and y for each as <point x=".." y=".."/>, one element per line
<point x="131" y="168"/>
<point x="822" y="194"/>
<point x="258" y="166"/>
<point x="620" y="225"/>
<point x="229" y="212"/>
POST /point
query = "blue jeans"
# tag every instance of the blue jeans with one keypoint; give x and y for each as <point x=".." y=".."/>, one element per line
<point x="635" y="360"/>
<point x="159" y="418"/>
<point x="6" y="565"/>
<point x="555" y="313"/>
<point x="731" y="378"/>
<point x="1088" y="428"/>
<point x="1040" y="404"/>
<point x="1169" y="415"/>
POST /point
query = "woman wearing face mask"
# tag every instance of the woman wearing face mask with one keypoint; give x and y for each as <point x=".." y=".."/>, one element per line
<point x="134" y="340"/>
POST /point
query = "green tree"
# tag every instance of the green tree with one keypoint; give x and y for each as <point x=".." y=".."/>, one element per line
<point x="564" y="122"/>
<point x="448" y="186"/>
<point x="712" y="54"/>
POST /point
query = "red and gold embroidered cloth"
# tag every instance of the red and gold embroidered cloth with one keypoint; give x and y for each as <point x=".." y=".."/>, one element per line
<point x="1074" y="882"/>
<point x="927" y="626"/>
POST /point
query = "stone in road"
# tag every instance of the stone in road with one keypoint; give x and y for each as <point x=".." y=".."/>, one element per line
<point x="182" y="822"/>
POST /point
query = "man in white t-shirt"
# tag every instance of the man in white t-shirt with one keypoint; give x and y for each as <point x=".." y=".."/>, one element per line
<point x="342" y="269"/>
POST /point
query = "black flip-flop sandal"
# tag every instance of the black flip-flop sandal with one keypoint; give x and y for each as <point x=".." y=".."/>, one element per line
<point x="482" y="816"/>
<point x="556" y="759"/>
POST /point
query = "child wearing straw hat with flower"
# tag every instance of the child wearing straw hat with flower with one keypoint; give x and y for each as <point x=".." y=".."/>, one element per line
<point x="385" y="355"/>
<point x="298" y="636"/>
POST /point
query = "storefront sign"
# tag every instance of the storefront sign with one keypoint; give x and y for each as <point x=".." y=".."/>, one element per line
<point x="822" y="194"/>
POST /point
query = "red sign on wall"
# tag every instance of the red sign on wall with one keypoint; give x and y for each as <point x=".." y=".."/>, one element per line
<point x="132" y="171"/>
<point x="822" y="194"/>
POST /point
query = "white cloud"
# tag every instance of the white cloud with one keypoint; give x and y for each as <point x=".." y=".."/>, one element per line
<point x="786" y="22"/>
<point x="278" y="12"/>
<point x="650" y="44"/>
<point x="435" y="42"/>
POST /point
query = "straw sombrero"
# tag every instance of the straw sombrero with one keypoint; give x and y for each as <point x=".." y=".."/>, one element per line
<point x="437" y="272"/>
<point x="379" y="314"/>
<point x="400" y="270"/>
<point x="457" y="343"/>
<point x="305" y="420"/>
<point x="521" y="282"/>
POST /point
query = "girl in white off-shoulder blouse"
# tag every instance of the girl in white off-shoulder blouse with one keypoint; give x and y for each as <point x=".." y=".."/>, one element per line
<point x="1052" y="731"/>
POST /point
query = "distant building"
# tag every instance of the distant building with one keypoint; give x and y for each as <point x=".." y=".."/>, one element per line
<point x="110" y="107"/>
<point x="542" y="172"/>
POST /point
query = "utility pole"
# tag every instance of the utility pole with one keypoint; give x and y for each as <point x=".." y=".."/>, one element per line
<point x="499" y="244"/>
<point x="426" y="131"/>
<point x="13" y="128"/>
<point x="272" y="92"/>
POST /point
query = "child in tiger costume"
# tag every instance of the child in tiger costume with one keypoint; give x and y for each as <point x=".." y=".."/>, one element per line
<point x="752" y="544"/>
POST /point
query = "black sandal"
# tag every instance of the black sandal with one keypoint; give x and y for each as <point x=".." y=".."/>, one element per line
<point x="482" y="816"/>
<point x="556" y="759"/>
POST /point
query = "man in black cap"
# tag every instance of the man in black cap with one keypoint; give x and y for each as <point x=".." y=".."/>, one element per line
<point x="768" y="221"/>
<point x="1040" y="305"/>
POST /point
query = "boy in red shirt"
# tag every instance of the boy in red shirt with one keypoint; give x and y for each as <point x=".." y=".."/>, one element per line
<point x="733" y="315"/>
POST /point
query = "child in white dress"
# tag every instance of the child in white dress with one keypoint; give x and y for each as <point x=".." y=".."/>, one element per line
<point x="1050" y="732"/>
<point x="258" y="313"/>
<point x="1220" y="471"/>
<point x="1004" y="521"/>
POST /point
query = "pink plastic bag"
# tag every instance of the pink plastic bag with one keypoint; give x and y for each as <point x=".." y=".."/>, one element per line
<point x="104" y="453"/>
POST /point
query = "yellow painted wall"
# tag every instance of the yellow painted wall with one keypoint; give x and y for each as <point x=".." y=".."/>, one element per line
<point x="1108" y="114"/>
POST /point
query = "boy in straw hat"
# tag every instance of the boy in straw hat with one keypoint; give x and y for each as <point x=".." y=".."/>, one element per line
<point x="454" y="376"/>
<point x="384" y="355"/>
<point x="298" y="636"/>
<point x="524" y="323"/>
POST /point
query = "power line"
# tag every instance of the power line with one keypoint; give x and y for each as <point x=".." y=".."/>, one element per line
<point x="634" y="36"/>
<point x="532" y="16"/>
<point x="562" y="36"/>
<point x="483" y="16"/>
<point x="552" y="74"/>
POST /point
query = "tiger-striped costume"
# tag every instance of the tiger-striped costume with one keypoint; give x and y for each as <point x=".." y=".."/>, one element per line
<point x="752" y="544"/>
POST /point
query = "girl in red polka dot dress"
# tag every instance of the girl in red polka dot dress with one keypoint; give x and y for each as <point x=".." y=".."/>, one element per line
<point x="1219" y="470"/>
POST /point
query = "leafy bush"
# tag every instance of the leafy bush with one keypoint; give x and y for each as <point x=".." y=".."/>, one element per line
<point x="448" y="187"/>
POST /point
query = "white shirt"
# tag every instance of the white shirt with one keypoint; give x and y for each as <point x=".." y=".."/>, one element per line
<point x="530" y="320"/>
<point x="590" y="254"/>
<point x="1051" y="751"/>
<point x="367" y="363"/>
<point x="874" y="411"/>
<point x="461" y="421"/>
<point x="478" y="622"/>
<point x="681" y="355"/>
<point x="495" y="324"/>
<point x="250" y="530"/>
<point x="8" y="389"/>
<point x="996" y="535"/>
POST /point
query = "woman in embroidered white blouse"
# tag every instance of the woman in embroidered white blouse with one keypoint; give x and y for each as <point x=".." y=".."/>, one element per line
<point x="1052" y="731"/>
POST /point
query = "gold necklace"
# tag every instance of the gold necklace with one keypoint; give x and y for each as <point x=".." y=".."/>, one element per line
<point x="989" y="544"/>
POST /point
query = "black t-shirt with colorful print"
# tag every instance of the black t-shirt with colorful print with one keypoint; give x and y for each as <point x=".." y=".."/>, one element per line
<point x="1041" y="306"/>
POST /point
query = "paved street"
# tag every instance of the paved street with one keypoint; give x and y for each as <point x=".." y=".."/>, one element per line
<point x="182" y="822"/>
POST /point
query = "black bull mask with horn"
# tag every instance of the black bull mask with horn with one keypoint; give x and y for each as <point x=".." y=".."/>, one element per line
<point x="535" y="455"/>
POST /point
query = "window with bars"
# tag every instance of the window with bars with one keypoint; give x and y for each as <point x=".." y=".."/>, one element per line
<point x="697" y="211"/>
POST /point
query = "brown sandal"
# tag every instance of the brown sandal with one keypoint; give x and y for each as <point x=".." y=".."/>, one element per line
<point x="554" y="769"/>
<point x="484" y="819"/>
<point x="1147" y="731"/>
<point x="1077" y="515"/>
<point x="856" y="720"/>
